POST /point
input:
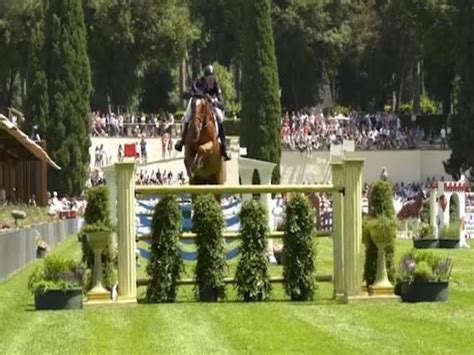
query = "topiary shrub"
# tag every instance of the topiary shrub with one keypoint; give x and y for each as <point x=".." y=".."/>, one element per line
<point x="165" y="265"/>
<point x="97" y="213"/>
<point x="208" y="223"/>
<point x="298" y="252"/>
<point x="380" y="204"/>
<point x="252" y="278"/>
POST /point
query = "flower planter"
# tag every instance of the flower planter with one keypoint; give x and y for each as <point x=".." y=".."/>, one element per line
<point x="59" y="299"/>
<point x="425" y="243"/>
<point x="424" y="291"/>
<point x="449" y="243"/>
<point x="208" y="294"/>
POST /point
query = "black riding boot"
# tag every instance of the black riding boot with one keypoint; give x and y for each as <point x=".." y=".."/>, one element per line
<point x="179" y="144"/>
<point x="225" y="154"/>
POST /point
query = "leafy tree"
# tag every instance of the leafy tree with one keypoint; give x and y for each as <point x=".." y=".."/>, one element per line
<point x="460" y="141"/>
<point x="260" y="131"/>
<point x="226" y="82"/>
<point x="36" y="105"/>
<point x="69" y="89"/>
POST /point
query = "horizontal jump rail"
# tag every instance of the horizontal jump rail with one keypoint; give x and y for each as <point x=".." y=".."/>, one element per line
<point x="231" y="280"/>
<point x="234" y="235"/>
<point x="234" y="189"/>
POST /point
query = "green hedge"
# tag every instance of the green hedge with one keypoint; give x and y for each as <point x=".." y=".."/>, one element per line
<point x="252" y="274"/>
<point x="165" y="265"/>
<point x="208" y="223"/>
<point x="232" y="127"/>
<point x="298" y="252"/>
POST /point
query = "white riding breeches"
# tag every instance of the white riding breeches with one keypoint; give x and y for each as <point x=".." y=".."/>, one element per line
<point x="218" y="114"/>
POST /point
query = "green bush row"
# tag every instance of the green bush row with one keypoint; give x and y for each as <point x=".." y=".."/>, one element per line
<point x="252" y="274"/>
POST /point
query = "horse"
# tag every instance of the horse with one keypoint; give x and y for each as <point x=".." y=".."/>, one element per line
<point x="412" y="209"/>
<point x="202" y="151"/>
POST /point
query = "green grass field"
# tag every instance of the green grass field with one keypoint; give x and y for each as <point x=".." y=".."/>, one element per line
<point x="279" y="326"/>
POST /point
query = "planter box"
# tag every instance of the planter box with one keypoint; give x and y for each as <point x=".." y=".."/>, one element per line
<point x="59" y="299"/>
<point x="208" y="294"/>
<point x="424" y="291"/>
<point x="449" y="243"/>
<point x="425" y="243"/>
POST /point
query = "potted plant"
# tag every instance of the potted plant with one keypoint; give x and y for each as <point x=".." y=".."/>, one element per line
<point x="298" y="250"/>
<point x="424" y="238"/>
<point x="166" y="264"/>
<point x="424" y="277"/>
<point x="208" y="223"/>
<point x="56" y="283"/>
<point x="449" y="236"/>
<point x="252" y="274"/>
<point x="380" y="204"/>
<point x="98" y="231"/>
<point x="382" y="231"/>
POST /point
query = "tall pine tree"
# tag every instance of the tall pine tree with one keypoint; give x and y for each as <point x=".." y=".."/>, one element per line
<point x="261" y="112"/>
<point x="36" y="105"/>
<point x="460" y="141"/>
<point x="69" y="91"/>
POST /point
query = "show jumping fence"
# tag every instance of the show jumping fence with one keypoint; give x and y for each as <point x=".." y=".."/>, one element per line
<point x="347" y="222"/>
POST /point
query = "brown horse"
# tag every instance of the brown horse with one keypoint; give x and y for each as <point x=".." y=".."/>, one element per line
<point x="412" y="209"/>
<point x="202" y="151"/>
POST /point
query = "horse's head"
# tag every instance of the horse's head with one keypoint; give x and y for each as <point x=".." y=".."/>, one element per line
<point x="201" y="118"/>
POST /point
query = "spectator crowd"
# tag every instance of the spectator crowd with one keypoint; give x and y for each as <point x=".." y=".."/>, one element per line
<point x="313" y="131"/>
<point x="120" y="125"/>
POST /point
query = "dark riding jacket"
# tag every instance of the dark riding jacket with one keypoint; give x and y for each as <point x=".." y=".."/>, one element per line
<point x="199" y="88"/>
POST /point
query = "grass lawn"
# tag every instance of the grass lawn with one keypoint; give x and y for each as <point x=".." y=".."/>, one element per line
<point x="279" y="326"/>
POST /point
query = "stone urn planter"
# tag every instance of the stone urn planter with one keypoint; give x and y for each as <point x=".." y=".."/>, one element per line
<point x="98" y="240"/>
<point x="382" y="231"/>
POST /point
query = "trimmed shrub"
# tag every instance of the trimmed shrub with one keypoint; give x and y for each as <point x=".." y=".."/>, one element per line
<point x="252" y="277"/>
<point x="97" y="213"/>
<point x="380" y="204"/>
<point x="208" y="223"/>
<point x="98" y="208"/>
<point x="298" y="252"/>
<point x="165" y="265"/>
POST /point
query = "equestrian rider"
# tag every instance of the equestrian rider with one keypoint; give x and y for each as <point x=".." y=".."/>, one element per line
<point x="207" y="86"/>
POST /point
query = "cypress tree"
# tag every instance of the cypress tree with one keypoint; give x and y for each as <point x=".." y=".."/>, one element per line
<point x="261" y="112"/>
<point x="69" y="90"/>
<point x="36" y="105"/>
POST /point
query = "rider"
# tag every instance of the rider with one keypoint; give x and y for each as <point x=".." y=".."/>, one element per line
<point x="207" y="85"/>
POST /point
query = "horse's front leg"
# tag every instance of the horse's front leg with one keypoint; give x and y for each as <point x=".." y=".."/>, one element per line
<point x="206" y="149"/>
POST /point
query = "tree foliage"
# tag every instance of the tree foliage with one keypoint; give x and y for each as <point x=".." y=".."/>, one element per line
<point x="69" y="90"/>
<point x="260" y="130"/>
